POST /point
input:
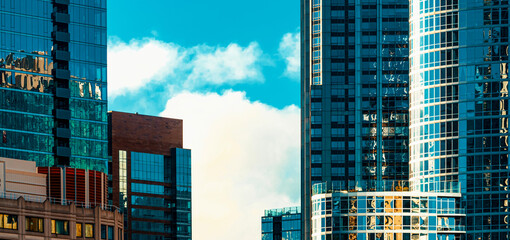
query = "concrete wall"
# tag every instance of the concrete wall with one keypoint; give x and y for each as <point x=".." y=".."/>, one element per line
<point x="19" y="177"/>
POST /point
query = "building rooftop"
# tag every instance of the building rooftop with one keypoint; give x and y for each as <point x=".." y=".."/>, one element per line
<point x="282" y="211"/>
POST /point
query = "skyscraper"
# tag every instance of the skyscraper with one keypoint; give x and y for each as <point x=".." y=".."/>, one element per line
<point x="53" y="82"/>
<point x="354" y="92"/>
<point x="459" y="107"/>
<point x="151" y="176"/>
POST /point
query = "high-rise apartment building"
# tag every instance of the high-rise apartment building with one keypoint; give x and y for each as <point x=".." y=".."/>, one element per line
<point x="459" y="107"/>
<point x="354" y="91"/>
<point x="150" y="176"/>
<point x="458" y="127"/>
<point x="53" y="107"/>
<point x="282" y="224"/>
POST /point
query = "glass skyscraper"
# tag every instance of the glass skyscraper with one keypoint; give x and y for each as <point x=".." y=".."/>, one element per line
<point x="53" y="82"/>
<point x="458" y="126"/>
<point x="459" y="107"/>
<point x="354" y="92"/>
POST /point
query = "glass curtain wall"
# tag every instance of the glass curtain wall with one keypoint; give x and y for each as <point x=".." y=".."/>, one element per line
<point x="459" y="107"/>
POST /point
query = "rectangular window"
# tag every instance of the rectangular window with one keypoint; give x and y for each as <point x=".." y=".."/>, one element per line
<point x="317" y="81"/>
<point x="110" y="233"/>
<point x="8" y="221"/>
<point x="89" y="230"/>
<point x="316" y="28"/>
<point x="316" y="15"/>
<point x="316" y="42"/>
<point x="60" y="227"/>
<point x="34" y="224"/>
<point x="316" y="54"/>
<point x="123" y="178"/>
<point x="79" y="230"/>
<point x="103" y="231"/>
<point x="317" y="67"/>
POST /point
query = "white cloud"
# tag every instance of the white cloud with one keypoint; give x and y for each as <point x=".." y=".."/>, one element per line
<point x="132" y="65"/>
<point x="245" y="158"/>
<point x="226" y="65"/>
<point x="290" y="50"/>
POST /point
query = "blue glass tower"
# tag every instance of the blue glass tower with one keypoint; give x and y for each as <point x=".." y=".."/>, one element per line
<point x="459" y="107"/>
<point x="354" y="96"/>
<point x="53" y="82"/>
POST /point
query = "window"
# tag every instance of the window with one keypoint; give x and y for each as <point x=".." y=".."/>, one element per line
<point x="34" y="224"/>
<point x="317" y="81"/>
<point x="60" y="227"/>
<point x="123" y="178"/>
<point x="79" y="230"/>
<point x="110" y="233"/>
<point x="8" y="221"/>
<point x="89" y="230"/>
<point x="103" y="231"/>
<point x="316" y="67"/>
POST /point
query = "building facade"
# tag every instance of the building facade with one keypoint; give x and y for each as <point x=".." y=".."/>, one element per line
<point x="53" y="82"/>
<point x="21" y="219"/>
<point x="388" y="215"/>
<point x="282" y="224"/>
<point x="151" y="176"/>
<point x="354" y="96"/>
<point x="459" y="107"/>
<point x="26" y="212"/>
<point x="20" y="178"/>
<point x="76" y="185"/>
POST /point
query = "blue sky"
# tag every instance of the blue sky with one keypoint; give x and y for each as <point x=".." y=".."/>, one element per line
<point x="230" y="70"/>
<point x="199" y="22"/>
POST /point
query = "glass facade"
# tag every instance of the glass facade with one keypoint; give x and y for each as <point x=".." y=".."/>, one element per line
<point x="282" y="224"/>
<point x="386" y="216"/>
<point x="53" y="82"/>
<point x="354" y="92"/>
<point x="459" y="107"/>
<point x="160" y="189"/>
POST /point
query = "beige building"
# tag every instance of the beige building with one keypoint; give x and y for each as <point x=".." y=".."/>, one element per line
<point x="26" y="213"/>
<point x="20" y="178"/>
<point x="24" y="220"/>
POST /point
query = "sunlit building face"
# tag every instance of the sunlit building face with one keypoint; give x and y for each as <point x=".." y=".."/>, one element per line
<point x="459" y="107"/>
<point x="354" y="95"/>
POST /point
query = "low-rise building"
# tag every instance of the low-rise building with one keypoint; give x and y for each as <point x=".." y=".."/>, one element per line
<point x="282" y="224"/>
<point x="26" y="212"/>
<point x="150" y="176"/>
<point x="20" y="178"/>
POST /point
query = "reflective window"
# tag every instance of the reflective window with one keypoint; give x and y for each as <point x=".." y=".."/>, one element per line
<point x="60" y="227"/>
<point x="34" y="224"/>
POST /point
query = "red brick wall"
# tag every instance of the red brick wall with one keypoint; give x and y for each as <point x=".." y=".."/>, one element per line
<point x="141" y="133"/>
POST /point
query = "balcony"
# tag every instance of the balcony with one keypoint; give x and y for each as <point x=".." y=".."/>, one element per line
<point x="62" y="114"/>
<point x="61" y="36"/>
<point x="61" y="17"/>
<point x="60" y="55"/>
<point x="63" y="151"/>
<point x="61" y="73"/>
<point x="63" y="132"/>
<point x="62" y="2"/>
<point x="62" y="92"/>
